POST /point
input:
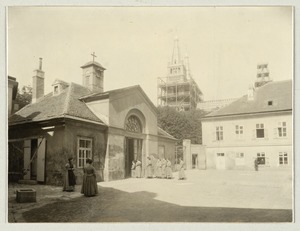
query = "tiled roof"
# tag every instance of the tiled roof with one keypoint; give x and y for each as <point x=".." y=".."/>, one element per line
<point x="278" y="93"/>
<point x="51" y="106"/>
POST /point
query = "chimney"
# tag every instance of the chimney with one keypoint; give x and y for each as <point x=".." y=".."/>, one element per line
<point x="38" y="83"/>
<point x="251" y="91"/>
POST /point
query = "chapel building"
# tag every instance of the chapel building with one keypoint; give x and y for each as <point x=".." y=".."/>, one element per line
<point x="83" y="121"/>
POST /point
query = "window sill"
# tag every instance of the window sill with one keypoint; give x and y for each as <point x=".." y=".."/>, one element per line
<point x="281" y="138"/>
<point x="260" y="138"/>
<point x="217" y="141"/>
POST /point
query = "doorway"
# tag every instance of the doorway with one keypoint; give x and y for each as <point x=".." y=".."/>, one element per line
<point x="220" y="161"/>
<point x="34" y="159"/>
<point x="133" y="149"/>
<point x="194" y="161"/>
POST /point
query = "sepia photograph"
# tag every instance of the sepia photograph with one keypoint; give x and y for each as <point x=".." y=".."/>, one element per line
<point x="150" y="114"/>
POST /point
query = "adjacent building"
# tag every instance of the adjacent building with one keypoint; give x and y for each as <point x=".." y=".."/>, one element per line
<point x="11" y="94"/>
<point x="258" y="125"/>
<point x="84" y="121"/>
<point x="178" y="89"/>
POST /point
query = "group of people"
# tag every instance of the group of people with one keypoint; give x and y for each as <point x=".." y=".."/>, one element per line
<point x="89" y="184"/>
<point x="157" y="168"/>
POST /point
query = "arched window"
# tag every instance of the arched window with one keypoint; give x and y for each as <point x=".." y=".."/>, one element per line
<point x="133" y="124"/>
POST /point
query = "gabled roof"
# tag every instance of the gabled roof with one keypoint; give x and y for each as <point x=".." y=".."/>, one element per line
<point x="106" y="94"/>
<point x="51" y="106"/>
<point x="278" y="93"/>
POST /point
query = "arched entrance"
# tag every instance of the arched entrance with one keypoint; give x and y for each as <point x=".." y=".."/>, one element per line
<point x="133" y="142"/>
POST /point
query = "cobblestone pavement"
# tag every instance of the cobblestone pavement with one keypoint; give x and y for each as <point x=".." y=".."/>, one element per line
<point x="206" y="196"/>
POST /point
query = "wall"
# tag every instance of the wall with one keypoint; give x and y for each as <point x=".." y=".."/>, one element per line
<point x="97" y="133"/>
<point x="169" y="149"/>
<point x="248" y="144"/>
<point x="189" y="149"/>
<point x="249" y="123"/>
<point x="115" y="163"/>
<point x="250" y="153"/>
<point x="122" y="103"/>
<point x="101" y="109"/>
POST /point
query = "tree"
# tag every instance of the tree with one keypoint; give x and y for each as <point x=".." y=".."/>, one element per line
<point x="24" y="97"/>
<point x="181" y="125"/>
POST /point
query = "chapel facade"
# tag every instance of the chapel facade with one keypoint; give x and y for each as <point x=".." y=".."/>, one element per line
<point x="83" y="121"/>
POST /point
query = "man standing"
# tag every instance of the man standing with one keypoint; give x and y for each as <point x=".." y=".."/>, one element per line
<point x="256" y="164"/>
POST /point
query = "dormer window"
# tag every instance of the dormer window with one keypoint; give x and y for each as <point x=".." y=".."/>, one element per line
<point x="59" y="86"/>
<point x="55" y="89"/>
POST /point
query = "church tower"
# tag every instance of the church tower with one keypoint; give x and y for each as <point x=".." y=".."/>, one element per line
<point x="93" y="75"/>
<point x="176" y="68"/>
<point x="178" y="89"/>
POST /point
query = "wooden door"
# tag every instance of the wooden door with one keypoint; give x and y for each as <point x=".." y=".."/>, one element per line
<point x="41" y="160"/>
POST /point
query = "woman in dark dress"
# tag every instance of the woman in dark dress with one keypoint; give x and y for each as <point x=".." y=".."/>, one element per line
<point x="89" y="184"/>
<point x="69" y="178"/>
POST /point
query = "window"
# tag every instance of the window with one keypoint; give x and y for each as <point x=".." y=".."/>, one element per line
<point x="283" y="158"/>
<point x="261" y="158"/>
<point x="239" y="131"/>
<point x="220" y="154"/>
<point x="239" y="155"/>
<point x="219" y="133"/>
<point x="260" y="131"/>
<point x="239" y="159"/>
<point x="270" y="103"/>
<point x="281" y="129"/>
<point x="84" y="151"/>
<point x="55" y="89"/>
<point x="133" y="124"/>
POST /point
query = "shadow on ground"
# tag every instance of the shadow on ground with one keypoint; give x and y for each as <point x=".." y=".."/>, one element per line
<point x="113" y="205"/>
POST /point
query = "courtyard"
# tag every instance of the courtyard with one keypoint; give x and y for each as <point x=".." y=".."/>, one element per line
<point x="206" y="196"/>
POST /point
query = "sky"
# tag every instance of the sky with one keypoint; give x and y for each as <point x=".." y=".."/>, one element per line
<point x="134" y="44"/>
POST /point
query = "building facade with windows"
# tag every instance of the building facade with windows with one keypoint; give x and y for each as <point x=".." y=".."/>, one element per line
<point x="82" y="121"/>
<point x="258" y="125"/>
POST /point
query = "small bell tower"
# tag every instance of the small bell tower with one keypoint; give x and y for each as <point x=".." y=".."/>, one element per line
<point x="263" y="75"/>
<point x="93" y="75"/>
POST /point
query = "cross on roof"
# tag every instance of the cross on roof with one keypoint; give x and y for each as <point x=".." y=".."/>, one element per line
<point x="94" y="56"/>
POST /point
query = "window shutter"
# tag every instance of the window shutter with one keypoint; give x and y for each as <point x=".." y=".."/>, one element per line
<point x="253" y="134"/>
<point x="266" y="133"/>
